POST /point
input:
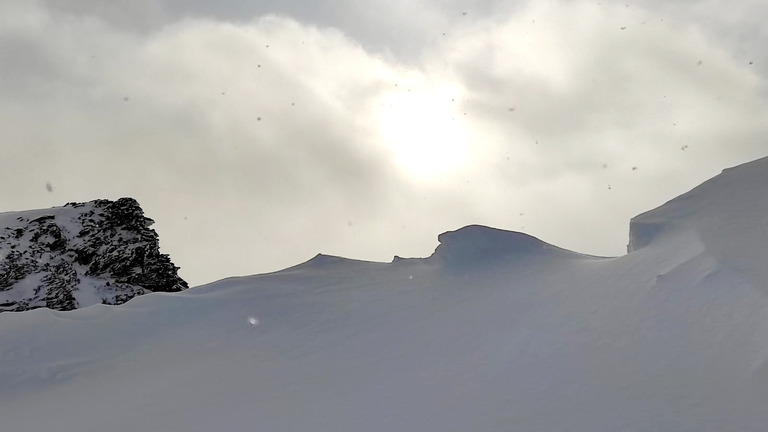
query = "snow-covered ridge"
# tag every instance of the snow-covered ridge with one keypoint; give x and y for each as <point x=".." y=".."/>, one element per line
<point x="727" y="215"/>
<point x="472" y="246"/>
<point x="81" y="254"/>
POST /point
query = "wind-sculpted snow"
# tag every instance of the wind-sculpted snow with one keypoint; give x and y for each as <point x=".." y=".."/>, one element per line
<point x="497" y="331"/>
<point x="80" y="254"/>
<point x="727" y="214"/>
<point x="477" y="245"/>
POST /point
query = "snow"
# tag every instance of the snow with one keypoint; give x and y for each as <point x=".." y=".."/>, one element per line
<point x="496" y="331"/>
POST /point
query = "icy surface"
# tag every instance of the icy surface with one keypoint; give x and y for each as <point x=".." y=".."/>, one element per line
<point x="497" y="331"/>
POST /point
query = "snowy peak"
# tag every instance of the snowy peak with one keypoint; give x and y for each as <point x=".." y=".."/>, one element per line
<point x="477" y="244"/>
<point x="81" y="254"/>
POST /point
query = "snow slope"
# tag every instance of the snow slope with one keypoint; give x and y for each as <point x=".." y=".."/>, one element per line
<point x="496" y="331"/>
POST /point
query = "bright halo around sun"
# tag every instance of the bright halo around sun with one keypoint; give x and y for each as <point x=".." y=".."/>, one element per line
<point x="422" y="128"/>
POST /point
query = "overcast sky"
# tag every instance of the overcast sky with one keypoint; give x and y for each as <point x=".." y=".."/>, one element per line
<point x="260" y="133"/>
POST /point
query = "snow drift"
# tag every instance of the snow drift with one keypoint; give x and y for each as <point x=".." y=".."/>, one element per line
<point x="497" y="331"/>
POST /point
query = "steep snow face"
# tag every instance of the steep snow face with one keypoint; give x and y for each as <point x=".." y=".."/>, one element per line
<point x="734" y="199"/>
<point x="496" y="331"/>
<point x="80" y="254"/>
<point x="728" y="215"/>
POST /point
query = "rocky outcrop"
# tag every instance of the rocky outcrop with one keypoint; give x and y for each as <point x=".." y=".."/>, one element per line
<point x="81" y="254"/>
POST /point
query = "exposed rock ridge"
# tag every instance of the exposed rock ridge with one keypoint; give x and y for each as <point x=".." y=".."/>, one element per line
<point x="81" y="254"/>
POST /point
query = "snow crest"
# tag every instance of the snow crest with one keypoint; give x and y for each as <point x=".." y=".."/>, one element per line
<point x="482" y="245"/>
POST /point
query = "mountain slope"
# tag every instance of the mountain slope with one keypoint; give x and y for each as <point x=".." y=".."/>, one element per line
<point x="497" y="331"/>
<point x="727" y="214"/>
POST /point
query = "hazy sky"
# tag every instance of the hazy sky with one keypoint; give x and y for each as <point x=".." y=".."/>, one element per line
<point x="260" y="133"/>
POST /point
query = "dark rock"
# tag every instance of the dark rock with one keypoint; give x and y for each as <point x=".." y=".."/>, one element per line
<point x="74" y="255"/>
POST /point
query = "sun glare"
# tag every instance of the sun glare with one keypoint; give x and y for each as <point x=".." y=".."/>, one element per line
<point x="424" y="131"/>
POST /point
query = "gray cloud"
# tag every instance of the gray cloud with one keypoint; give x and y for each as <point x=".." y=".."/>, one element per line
<point x="125" y="15"/>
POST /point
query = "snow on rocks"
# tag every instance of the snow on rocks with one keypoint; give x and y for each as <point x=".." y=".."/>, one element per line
<point x="80" y="254"/>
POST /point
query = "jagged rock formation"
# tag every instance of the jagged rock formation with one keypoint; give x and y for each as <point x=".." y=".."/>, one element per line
<point x="81" y="254"/>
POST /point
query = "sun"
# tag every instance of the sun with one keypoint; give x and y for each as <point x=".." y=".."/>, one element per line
<point x="424" y="131"/>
